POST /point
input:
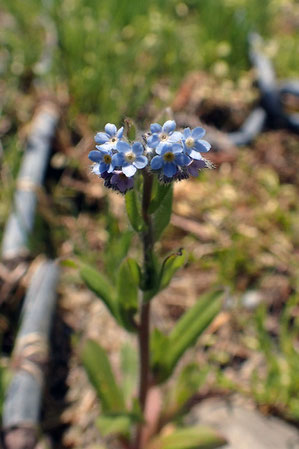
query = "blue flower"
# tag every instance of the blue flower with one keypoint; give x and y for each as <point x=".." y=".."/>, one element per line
<point x="193" y="145"/>
<point x="103" y="160"/>
<point x="129" y="158"/>
<point x="171" y="156"/>
<point x="163" y="134"/>
<point x="108" y="140"/>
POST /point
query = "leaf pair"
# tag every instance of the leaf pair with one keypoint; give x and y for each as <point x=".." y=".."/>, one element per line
<point x="160" y="209"/>
<point x="167" y="350"/>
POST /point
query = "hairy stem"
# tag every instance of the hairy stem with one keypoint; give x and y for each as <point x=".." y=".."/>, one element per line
<point x="144" y="326"/>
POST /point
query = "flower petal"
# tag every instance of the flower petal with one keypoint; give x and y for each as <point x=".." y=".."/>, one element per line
<point x="137" y="148"/>
<point x="110" y="129"/>
<point x="129" y="170"/>
<point x="140" y="161"/>
<point x="156" y="162"/>
<point x="195" y="155"/>
<point x="175" y="137"/>
<point x="103" y="167"/>
<point x="101" y="138"/>
<point x="169" y="169"/>
<point x="202" y="145"/>
<point x="118" y="160"/>
<point x="120" y="132"/>
<point x="155" y="128"/>
<point x="198" y="133"/>
<point x="169" y="126"/>
<point x="153" y="141"/>
<point x="123" y="147"/>
<point x="95" y="156"/>
<point x="96" y="169"/>
<point x="187" y="132"/>
<point x="163" y="147"/>
<point x="182" y="159"/>
<point x="177" y="148"/>
<point x="105" y="147"/>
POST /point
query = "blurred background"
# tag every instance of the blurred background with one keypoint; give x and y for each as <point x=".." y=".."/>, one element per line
<point x="101" y="61"/>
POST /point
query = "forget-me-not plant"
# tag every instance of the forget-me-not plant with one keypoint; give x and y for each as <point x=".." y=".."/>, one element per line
<point x="144" y="170"/>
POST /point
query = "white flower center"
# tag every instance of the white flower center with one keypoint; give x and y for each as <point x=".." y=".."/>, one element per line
<point x="168" y="157"/>
<point x="113" y="139"/>
<point x="163" y="136"/>
<point x="190" y="142"/>
<point x="130" y="156"/>
<point x="107" y="159"/>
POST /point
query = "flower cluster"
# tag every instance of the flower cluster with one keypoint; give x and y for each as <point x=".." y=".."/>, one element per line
<point x="171" y="154"/>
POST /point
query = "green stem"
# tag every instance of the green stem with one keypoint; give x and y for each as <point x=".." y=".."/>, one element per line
<point x="144" y="326"/>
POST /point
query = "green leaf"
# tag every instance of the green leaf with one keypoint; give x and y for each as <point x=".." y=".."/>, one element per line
<point x="114" y="424"/>
<point x="188" y="383"/>
<point x="117" y="423"/>
<point x="192" y="324"/>
<point x="170" y="265"/>
<point x="129" y="368"/>
<point x="161" y="216"/>
<point x="189" y="438"/>
<point x="154" y="278"/>
<point x="159" y="347"/>
<point x="160" y="191"/>
<point x="127" y="292"/>
<point x="98" y="368"/>
<point x="98" y="283"/>
<point x="117" y="246"/>
<point x="134" y="210"/>
<point x="186" y="332"/>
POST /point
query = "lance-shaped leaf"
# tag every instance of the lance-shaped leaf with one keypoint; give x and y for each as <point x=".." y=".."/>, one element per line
<point x="185" y="334"/>
<point x="161" y="216"/>
<point x="98" y="368"/>
<point x="129" y="368"/>
<point x="127" y="292"/>
<point x="134" y="211"/>
<point x="170" y="265"/>
<point x="187" y="384"/>
<point x="192" y="324"/>
<point x="99" y="284"/>
<point x="159" y="193"/>
<point x="188" y="438"/>
<point x="159" y="344"/>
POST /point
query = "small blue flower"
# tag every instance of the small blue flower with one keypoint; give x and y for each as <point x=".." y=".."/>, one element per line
<point x="129" y="158"/>
<point x="163" y="134"/>
<point x="108" y="140"/>
<point x="170" y="158"/>
<point x="193" y="145"/>
<point x="103" y="159"/>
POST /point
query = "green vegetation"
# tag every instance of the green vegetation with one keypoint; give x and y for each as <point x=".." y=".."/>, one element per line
<point x="106" y="60"/>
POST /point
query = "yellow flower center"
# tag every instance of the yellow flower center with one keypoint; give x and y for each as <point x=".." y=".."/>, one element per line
<point x="163" y="136"/>
<point x="130" y="156"/>
<point x="107" y="159"/>
<point x="168" y="157"/>
<point x="190" y="142"/>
